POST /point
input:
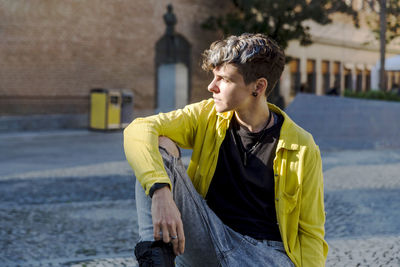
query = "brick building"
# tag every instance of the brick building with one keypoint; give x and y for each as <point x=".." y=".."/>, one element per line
<point x="53" y="52"/>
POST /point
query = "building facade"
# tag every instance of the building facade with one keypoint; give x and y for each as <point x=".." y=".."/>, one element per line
<point x="52" y="53"/>
<point x="340" y="58"/>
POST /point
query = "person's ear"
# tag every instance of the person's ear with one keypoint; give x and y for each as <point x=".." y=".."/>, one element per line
<point x="261" y="86"/>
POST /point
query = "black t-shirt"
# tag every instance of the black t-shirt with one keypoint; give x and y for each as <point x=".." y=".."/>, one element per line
<point x="242" y="190"/>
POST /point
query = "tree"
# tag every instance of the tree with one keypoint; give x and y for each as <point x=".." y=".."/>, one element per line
<point x="382" y="37"/>
<point x="282" y="20"/>
<point x="385" y="23"/>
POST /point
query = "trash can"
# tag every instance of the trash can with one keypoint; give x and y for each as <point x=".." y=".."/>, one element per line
<point x="105" y="109"/>
<point x="126" y="108"/>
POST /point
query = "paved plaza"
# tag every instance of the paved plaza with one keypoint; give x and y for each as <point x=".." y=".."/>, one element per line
<point x="67" y="199"/>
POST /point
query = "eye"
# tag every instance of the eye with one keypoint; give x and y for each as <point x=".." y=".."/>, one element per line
<point x="219" y="78"/>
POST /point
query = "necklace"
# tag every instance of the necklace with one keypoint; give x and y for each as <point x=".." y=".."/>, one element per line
<point x="246" y="153"/>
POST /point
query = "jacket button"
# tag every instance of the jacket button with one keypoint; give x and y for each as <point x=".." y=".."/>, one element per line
<point x="276" y="174"/>
<point x="276" y="199"/>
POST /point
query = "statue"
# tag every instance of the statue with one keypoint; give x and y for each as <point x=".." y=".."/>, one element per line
<point x="170" y="20"/>
<point x="172" y="67"/>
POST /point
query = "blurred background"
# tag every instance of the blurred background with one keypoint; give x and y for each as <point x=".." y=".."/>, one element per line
<point x="54" y="52"/>
<point x="67" y="67"/>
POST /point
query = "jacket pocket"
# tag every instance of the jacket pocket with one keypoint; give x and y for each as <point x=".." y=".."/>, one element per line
<point x="289" y="200"/>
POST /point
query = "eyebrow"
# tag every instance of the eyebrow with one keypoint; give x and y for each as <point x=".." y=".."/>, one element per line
<point x="223" y="76"/>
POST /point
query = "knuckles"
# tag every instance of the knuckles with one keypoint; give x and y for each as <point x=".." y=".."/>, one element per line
<point x="168" y="223"/>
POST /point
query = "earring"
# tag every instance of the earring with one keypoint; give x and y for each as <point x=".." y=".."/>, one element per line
<point x="255" y="94"/>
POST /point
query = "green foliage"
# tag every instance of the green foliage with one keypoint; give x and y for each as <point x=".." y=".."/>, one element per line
<point x="373" y="94"/>
<point x="393" y="21"/>
<point x="281" y="20"/>
<point x="392" y="18"/>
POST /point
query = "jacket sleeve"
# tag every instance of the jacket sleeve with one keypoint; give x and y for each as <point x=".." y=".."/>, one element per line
<point x="314" y="249"/>
<point x="141" y="141"/>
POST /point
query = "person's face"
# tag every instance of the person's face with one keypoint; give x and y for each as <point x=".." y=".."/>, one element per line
<point x="229" y="89"/>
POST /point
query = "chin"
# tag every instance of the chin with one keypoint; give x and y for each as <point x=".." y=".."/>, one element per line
<point x="220" y="108"/>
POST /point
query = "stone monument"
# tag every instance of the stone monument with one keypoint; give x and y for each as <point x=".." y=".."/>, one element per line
<point x="173" y="72"/>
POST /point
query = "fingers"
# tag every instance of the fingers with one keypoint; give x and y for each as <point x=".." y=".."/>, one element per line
<point x="165" y="233"/>
<point x="167" y="222"/>
<point x="174" y="242"/>
<point x="177" y="238"/>
<point x="157" y="232"/>
<point x="181" y="239"/>
<point x="171" y="234"/>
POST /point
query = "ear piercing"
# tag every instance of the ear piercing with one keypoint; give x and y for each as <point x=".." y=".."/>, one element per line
<point x="255" y="94"/>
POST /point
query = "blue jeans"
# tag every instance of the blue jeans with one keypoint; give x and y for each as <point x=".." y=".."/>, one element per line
<point x="208" y="241"/>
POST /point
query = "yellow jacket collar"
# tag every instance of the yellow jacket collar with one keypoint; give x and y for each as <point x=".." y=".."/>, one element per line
<point x="225" y="115"/>
<point x="288" y="137"/>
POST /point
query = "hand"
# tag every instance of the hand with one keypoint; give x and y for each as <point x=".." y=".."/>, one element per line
<point x="167" y="219"/>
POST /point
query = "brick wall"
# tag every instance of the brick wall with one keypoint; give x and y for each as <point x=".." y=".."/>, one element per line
<point x="53" y="52"/>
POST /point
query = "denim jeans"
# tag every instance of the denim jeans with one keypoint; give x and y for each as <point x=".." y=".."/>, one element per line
<point x="208" y="241"/>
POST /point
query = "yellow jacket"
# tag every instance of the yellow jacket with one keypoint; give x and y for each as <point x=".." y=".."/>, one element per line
<point x="297" y="166"/>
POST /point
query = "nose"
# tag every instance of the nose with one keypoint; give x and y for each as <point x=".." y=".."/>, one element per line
<point x="212" y="87"/>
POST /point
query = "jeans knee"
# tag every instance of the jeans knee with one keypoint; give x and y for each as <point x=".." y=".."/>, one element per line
<point x="169" y="145"/>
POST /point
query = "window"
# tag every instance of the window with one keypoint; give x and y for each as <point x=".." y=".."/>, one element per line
<point x="311" y="77"/>
<point x="367" y="80"/>
<point x="348" y="79"/>
<point x="336" y="75"/>
<point x="325" y="76"/>
<point x="358" y="80"/>
<point x="294" y="76"/>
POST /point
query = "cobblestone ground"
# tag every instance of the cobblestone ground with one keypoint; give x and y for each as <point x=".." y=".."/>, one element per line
<point x="362" y="196"/>
<point x="64" y="220"/>
<point x="84" y="215"/>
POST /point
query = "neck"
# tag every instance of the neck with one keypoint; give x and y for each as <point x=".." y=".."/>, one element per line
<point x="255" y="117"/>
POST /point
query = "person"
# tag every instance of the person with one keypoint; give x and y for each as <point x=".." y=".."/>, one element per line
<point x="253" y="192"/>
<point x="334" y="90"/>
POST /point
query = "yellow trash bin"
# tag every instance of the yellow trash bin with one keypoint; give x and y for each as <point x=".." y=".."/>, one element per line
<point x="105" y="109"/>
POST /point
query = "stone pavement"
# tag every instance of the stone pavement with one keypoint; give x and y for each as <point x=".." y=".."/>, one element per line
<point x="362" y="196"/>
<point x="67" y="199"/>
